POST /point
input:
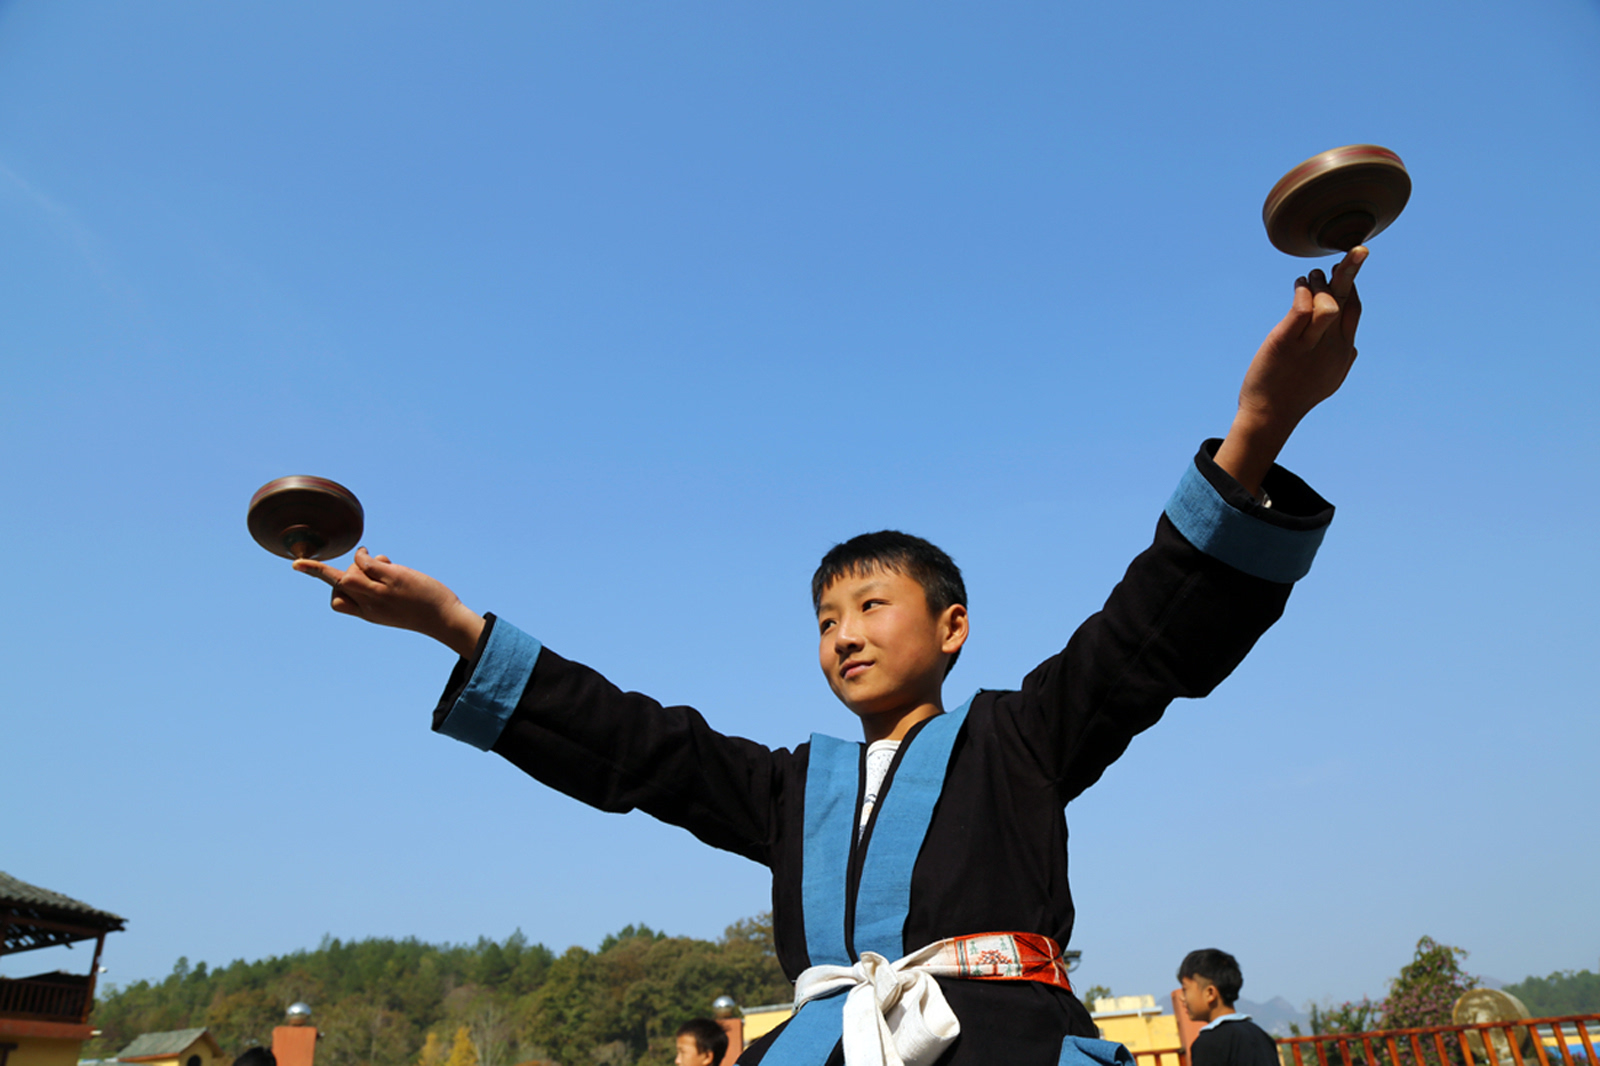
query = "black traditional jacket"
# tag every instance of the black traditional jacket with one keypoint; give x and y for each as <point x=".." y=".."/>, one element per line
<point x="994" y="857"/>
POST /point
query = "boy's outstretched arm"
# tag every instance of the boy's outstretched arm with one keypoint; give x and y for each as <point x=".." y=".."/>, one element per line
<point x="383" y="593"/>
<point x="1302" y="362"/>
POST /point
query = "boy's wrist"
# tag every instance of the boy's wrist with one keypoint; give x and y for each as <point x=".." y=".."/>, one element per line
<point x="459" y="629"/>
<point x="1252" y="445"/>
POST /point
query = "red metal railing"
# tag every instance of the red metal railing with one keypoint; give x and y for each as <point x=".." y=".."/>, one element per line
<point x="47" y="1001"/>
<point x="1483" y="1044"/>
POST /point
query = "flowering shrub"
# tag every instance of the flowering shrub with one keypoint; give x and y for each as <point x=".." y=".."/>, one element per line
<point x="1427" y="987"/>
<point x="1422" y="995"/>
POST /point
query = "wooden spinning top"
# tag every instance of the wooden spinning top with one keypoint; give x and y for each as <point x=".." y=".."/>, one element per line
<point x="305" y="518"/>
<point x="1337" y="200"/>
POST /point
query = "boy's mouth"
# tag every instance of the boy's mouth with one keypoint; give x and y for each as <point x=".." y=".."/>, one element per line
<point x="853" y="668"/>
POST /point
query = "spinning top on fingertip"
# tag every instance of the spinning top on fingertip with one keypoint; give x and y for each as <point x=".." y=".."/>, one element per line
<point x="1337" y="200"/>
<point x="305" y="518"/>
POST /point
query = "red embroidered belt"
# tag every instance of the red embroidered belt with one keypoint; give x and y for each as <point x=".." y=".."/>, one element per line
<point x="1001" y="957"/>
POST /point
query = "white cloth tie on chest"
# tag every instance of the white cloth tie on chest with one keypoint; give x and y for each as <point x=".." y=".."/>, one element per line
<point x="894" y="1012"/>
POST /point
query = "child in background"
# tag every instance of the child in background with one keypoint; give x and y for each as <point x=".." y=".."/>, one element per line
<point x="701" y="1042"/>
<point x="1211" y="982"/>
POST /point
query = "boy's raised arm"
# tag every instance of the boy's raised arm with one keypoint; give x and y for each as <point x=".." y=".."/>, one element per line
<point x="386" y="594"/>
<point x="1302" y="362"/>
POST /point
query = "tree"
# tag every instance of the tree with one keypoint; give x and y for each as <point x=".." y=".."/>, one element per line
<point x="378" y="1000"/>
<point x="1564" y="992"/>
<point x="1096" y="992"/>
<point x="361" y="1031"/>
<point x="1349" y="1017"/>
<point x="243" y="1018"/>
<point x="462" y="1053"/>
<point x="1427" y="987"/>
<point x="486" y="1018"/>
<point x="432" y="1053"/>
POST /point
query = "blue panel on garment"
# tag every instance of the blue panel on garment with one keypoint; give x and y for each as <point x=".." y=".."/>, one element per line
<point x="1245" y="543"/>
<point x="811" y="1035"/>
<point x="904" y="812"/>
<point x="1082" y="1051"/>
<point x="833" y="776"/>
<point x="484" y="707"/>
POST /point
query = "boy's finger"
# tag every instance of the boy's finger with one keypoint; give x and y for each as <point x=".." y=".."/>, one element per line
<point x="344" y="605"/>
<point x="1304" y="301"/>
<point x="319" y="570"/>
<point x="370" y="565"/>
<point x="1344" y="275"/>
<point x="1324" y="313"/>
<point x="1352" y="313"/>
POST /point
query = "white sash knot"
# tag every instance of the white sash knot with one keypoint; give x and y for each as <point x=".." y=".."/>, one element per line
<point x="894" y="1012"/>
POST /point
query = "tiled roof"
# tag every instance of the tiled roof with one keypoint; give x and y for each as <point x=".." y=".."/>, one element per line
<point x="33" y="917"/>
<point x="15" y="893"/>
<point x="163" y="1045"/>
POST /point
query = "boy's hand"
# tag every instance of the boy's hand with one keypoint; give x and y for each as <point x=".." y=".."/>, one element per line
<point x="1302" y="362"/>
<point x="376" y="589"/>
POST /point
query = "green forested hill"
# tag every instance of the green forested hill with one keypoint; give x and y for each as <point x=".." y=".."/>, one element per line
<point x="1567" y="992"/>
<point x="376" y="1002"/>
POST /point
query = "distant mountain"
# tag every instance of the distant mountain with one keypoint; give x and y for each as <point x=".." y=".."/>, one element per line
<point x="1274" y="1015"/>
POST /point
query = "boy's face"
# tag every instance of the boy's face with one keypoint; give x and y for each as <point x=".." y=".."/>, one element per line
<point x="881" y="649"/>
<point x="689" y="1053"/>
<point x="1200" y="998"/>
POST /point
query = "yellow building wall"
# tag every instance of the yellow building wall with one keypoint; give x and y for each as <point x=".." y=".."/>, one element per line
<point x="759" y="1023"/>
<point x="1146" y="1033"/>
<point x="1141" y="1029"/>
<point x="42" y="1051"/>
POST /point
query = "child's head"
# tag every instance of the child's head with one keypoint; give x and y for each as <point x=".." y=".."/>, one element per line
<point x="900" y="553"/>
<point x="1211" y="982"/>
<point x="701" y="1042"/>
<point x="900" y="599"/>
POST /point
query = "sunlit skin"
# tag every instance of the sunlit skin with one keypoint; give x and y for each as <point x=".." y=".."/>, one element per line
<point x="884" y="652"/>
<point x="689" y="1053"/>
<point x="1202" y="1000"/>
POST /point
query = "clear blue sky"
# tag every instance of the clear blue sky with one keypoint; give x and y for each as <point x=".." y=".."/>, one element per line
<point x="617" y="316"/>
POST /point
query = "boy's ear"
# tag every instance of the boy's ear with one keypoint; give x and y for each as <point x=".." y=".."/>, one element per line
<point x="953" y="628"/>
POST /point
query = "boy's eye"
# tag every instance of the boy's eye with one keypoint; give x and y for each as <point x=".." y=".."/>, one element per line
<point x="826" y="625"/>
<point x="868" y="605"/>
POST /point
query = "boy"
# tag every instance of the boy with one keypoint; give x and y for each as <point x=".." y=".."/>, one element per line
<point x="920" y="895"/>
<point x="701" y="1042"/>
<point x="1211" y="982"/>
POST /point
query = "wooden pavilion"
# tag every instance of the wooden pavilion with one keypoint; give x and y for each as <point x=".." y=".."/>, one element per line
<point x="44" y="1019"/>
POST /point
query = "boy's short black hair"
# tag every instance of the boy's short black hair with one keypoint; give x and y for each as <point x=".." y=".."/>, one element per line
<point x="256" y="1056"/>
<point x="900" y="553"/>
<point x="709" y="1037"/>
<point x="1217" y="967"/>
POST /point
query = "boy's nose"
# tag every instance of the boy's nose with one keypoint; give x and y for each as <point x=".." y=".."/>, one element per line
<point x="845" y="639"/>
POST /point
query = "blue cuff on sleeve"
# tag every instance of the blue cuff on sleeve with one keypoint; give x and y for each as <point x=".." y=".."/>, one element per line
<point x="1258" y="548"/>
<point x="484" y="707"/>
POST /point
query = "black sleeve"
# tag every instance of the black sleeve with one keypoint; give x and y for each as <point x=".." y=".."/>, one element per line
<point x="1176" y="625"/>
<point x="619" y="751"/>
<point x="1207" y="1050"/>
